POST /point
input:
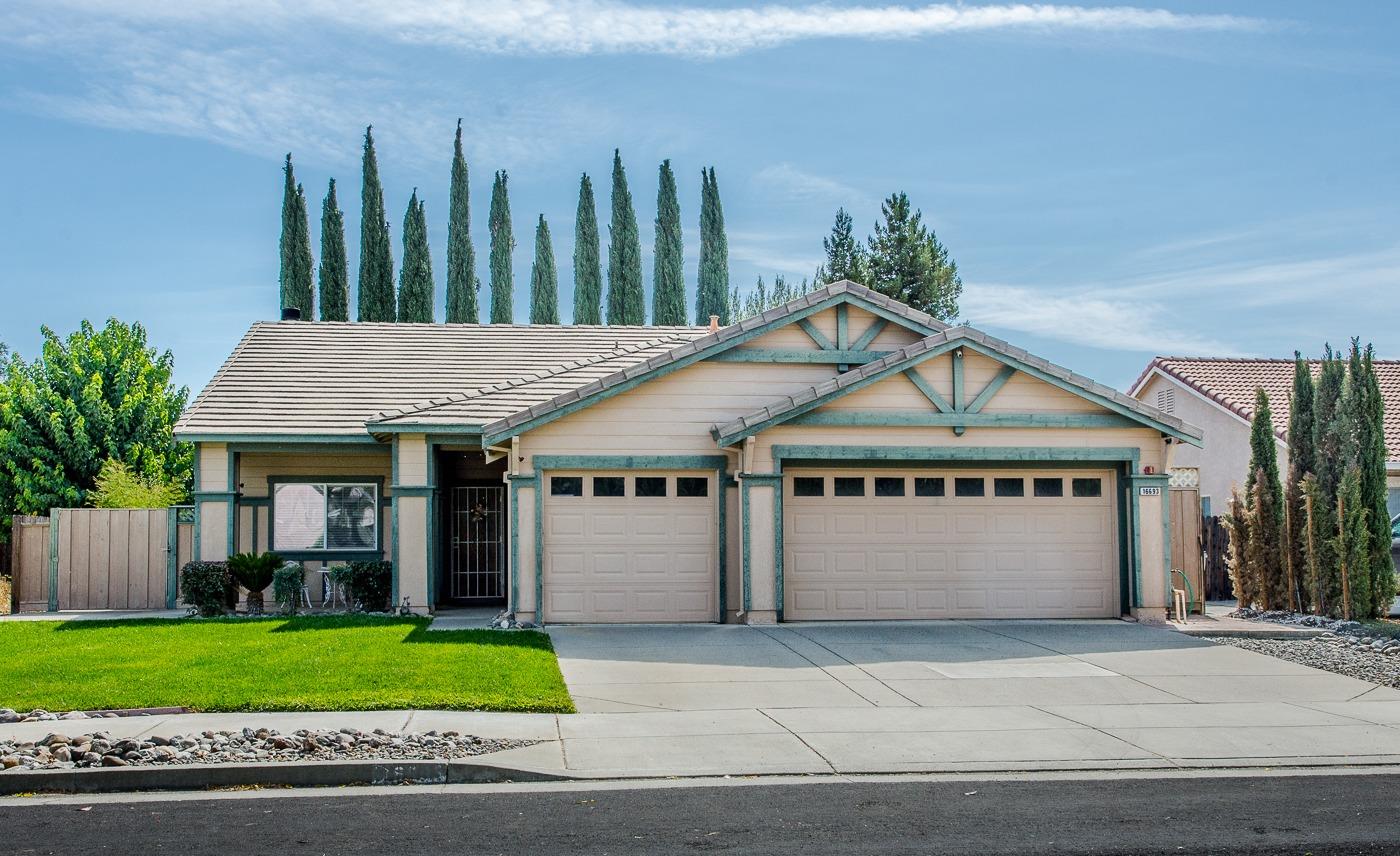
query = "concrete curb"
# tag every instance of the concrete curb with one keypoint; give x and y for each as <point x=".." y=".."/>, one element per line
<point x="1254" y="633"/>
<point x="299" y="774"/>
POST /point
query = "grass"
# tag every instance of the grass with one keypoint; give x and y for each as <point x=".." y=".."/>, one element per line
<point x="305" y="663"/>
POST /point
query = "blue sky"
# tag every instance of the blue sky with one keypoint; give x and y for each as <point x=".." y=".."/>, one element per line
<point x="1114" y="181"/>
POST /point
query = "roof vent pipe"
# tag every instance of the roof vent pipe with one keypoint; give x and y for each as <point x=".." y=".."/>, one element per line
<point x="291" y="313"/>
<point x="714" y="323"/>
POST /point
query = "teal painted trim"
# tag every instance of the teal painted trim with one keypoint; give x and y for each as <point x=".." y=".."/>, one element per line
<point x="958" y="389"/>
<point x="815" y="335"/>
<point x="198" y="518"/>
<point x="630" y="462"/>
<point x="254" y="501"/>
<point x="308" y="448"/>
<point x="843" y="327"/>
<point x="539" y="553"/>
<point x="432" y="511"/>
<point x="412" y="489"/>
<point x="1137" y="547"/>
<point x="797" y="355"/>
<point x="1152" y="479"/>
<point x="257" y="440"/>
<point x="492" y="438"/>
<point x="335" y="479"/>
<point x="1125" y="528"/>
<point x="172" y="554"/>
<point x="980" y="454"/>
<point x="746" y="565"/>
<point x="722" y="516"/>
<point x="393" y="526"/>
<point x="232" y="483"/>
<point x="458" y="432"/>
<point x="516" y="482"/>
<point x="55" y="517"/>
<point x="875" y="328"/>
<point x="905" y="418"/>
<point x="778" y="548"/>
<point x="929" y="392"/>
<point x="253" y="515"/>
<point x="992" y="388"/>
<point x="762" y="478"/>
<point x="214" y="495"/>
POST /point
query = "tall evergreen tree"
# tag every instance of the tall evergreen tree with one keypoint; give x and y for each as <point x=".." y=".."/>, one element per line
<point x="1264" y="497"/>
<point x="1242" y="577"/>
<point x="1372" y="459"/>
<point x="626" y="295"/>
<point x="502" y="246"/>
<point x="1329" y="450"/>
<point x="713" y="296"/>
<point x="845" y="257"/>
<point x="1352" y="547"/>
<point x="294" y="277"/>
<point x="588" y="258"/>
<point x="375" y="301"/>
<point x="544" y="279"/>
<point x="668" y="274"/>
<point x="907" y="262"/>
<point x="462" y="284"/>
<point x="1301" y="458"/>
<point x="416" y="279"/>
<point x="335" y="270"/>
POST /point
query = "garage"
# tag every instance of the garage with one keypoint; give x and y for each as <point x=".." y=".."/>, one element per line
<point x="947" y="543"/>
<point x="630" y="546"/>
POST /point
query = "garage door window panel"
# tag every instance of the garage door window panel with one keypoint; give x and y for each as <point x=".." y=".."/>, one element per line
<point x="1087" y="488"/>
<point x="1009" y="487"/>
<point x="969" y="487"/>
<point x="848" y="486"/>
<point x="1047" y="488"/>
<point x="650" y="487"/>
<point x="808" y="486"/>
<point x="692" y="487"/>
<point x="566" y="486"/>
<point x="928" y="486"/>
<point x="609" y="486"/>
<point x="889" y="486"/>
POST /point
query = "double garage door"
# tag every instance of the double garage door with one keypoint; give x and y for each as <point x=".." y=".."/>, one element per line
<point x="949" y="544"/>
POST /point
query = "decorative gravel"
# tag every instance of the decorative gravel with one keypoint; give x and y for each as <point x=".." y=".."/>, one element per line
<point x="1345" y="655"/>
<point x="100" y="749"/>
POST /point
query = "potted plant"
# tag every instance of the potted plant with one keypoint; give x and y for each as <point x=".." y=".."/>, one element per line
<point x="254" y="572"/>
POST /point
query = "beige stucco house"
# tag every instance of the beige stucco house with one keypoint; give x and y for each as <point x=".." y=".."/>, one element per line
<point x="1218" y="393"/>
<point x="840" y="457"/>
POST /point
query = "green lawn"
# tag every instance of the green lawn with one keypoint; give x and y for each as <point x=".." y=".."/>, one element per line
<point x="305" y="663"/>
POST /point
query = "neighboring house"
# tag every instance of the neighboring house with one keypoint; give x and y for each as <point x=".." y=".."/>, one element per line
<point x="840" y="457"/>
<point x="1218" y="395"/>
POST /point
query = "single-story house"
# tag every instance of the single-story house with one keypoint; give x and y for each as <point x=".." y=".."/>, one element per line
<point x="839" y="457"/>
<point x="1218" y="395"/>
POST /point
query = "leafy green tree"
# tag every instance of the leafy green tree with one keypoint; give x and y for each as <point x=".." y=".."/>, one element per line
<point x="502" y="246"/>
<point x="335" y="270"/>
<point x="1371" y="454"/>
<point x="1264" y="497"/>
<point x="626" y="295"/>
<point x="98" y="395"/>
<point x="117" y="486"/>
<point x="544" y="279"/>
<point x="668" y="273"/>
<point x="713" y="295"/>
<point x="294" y="246"/>
<point x="1329" y="462"/>
<point x="588" y="263"/>
<point x="845" y="257"/>
<point x="416" y="279"/>
<point x="462" y="284"/>
<point x="376" y="290"/>
<point x="907" y="262"/>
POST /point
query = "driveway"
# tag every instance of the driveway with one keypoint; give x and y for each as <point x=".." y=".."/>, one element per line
<point x="933" y="696"/>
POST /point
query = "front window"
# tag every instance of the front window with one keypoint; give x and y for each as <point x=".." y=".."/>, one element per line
<point x="325" y="516"/>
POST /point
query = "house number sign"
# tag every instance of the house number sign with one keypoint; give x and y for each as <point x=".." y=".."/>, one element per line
<point x="1149" y="491"/>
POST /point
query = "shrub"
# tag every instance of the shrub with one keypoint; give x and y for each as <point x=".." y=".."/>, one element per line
<point x="254" y="572"/>
<point x="370" y="584"/>
<point x="286" y="586"/>
<point x="119" y="487"/>
<point x="208" y="587"/>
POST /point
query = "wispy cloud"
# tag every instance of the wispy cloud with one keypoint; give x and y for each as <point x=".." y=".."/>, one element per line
<point x="798" y="185"/>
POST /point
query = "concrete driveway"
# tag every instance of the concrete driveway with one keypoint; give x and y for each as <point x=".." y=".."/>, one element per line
<point x="949" y="696"/>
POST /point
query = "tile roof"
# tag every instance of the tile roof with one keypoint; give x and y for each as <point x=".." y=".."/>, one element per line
<point x="897" y="358"/>
<point x="330" y="378"/>
<point x="1231" y="383"/>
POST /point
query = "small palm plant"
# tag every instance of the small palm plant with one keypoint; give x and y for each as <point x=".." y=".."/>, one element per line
<point x="254" y="572"/>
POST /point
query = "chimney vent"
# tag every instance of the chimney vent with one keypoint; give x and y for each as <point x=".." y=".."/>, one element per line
<point x="291" y="313"/>
<point x="714" y="323"/>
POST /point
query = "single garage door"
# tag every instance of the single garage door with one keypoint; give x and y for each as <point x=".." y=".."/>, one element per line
<point x="949" y="544"/>
<point x="630" y="547"/>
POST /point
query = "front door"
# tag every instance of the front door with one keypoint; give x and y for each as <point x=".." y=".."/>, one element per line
<point x="476" y="571"/>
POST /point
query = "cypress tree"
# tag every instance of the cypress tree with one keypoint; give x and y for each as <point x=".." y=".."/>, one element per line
<point x="713" y="296"/>
<point x="588" y="263"/>
<point x="1352" y="546"/>
<point x="335" y="270"/>
<point x="626" y="295"/>
<point x="1242" y="578"/>
<point x="462" y="284"/>
<point x="1301" y="457"/>
<point x="1264" y="497"/>
<point x="668" y="274"/>
<point x="502" y="245"/>
<point x="294" y="277"/>
<point x="416" y="278"/>
<point x="1329" y="451"/>
<point x="845" y="257"/>
<point x="375" y="301"/>
<point x="544" y="279"/>
<point x="1372" y="457"/>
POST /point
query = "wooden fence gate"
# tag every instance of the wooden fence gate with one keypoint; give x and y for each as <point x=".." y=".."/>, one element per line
<point x="99" y="558"/>
<point x="1186" y="544"/>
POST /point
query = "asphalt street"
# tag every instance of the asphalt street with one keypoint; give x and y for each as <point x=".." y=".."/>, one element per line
<point x="1255" y="815"/>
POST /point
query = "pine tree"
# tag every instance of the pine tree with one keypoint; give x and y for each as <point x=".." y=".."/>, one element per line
<point x="544" y="279"/>
<point x="588" y="264"/>
<point x="668" y="274"/>
<point x="376" y="289"/>
<point x="462" y="284"/>
<point x="626" y="295"/>
<point x="502" y="245"/>
<point x="1352" y="546"/>
<point x="845" y="257"/>
<point x="1329" y="451"/>
<point x="713" y="296"/>
<point x="335" y="270"/>
<point x="1301" y="458"/>
<point x="416" y="279"/>
<point x="907" y="263"/>
<point x="294" y="277"/>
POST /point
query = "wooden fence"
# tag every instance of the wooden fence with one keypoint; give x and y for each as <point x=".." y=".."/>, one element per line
<point x="1215" y="545"/>
<point x="1186" y="545"/>
<point x="99" y="558"/>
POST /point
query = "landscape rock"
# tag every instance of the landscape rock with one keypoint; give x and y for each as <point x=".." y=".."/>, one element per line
<point x="1333" y="654"/>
